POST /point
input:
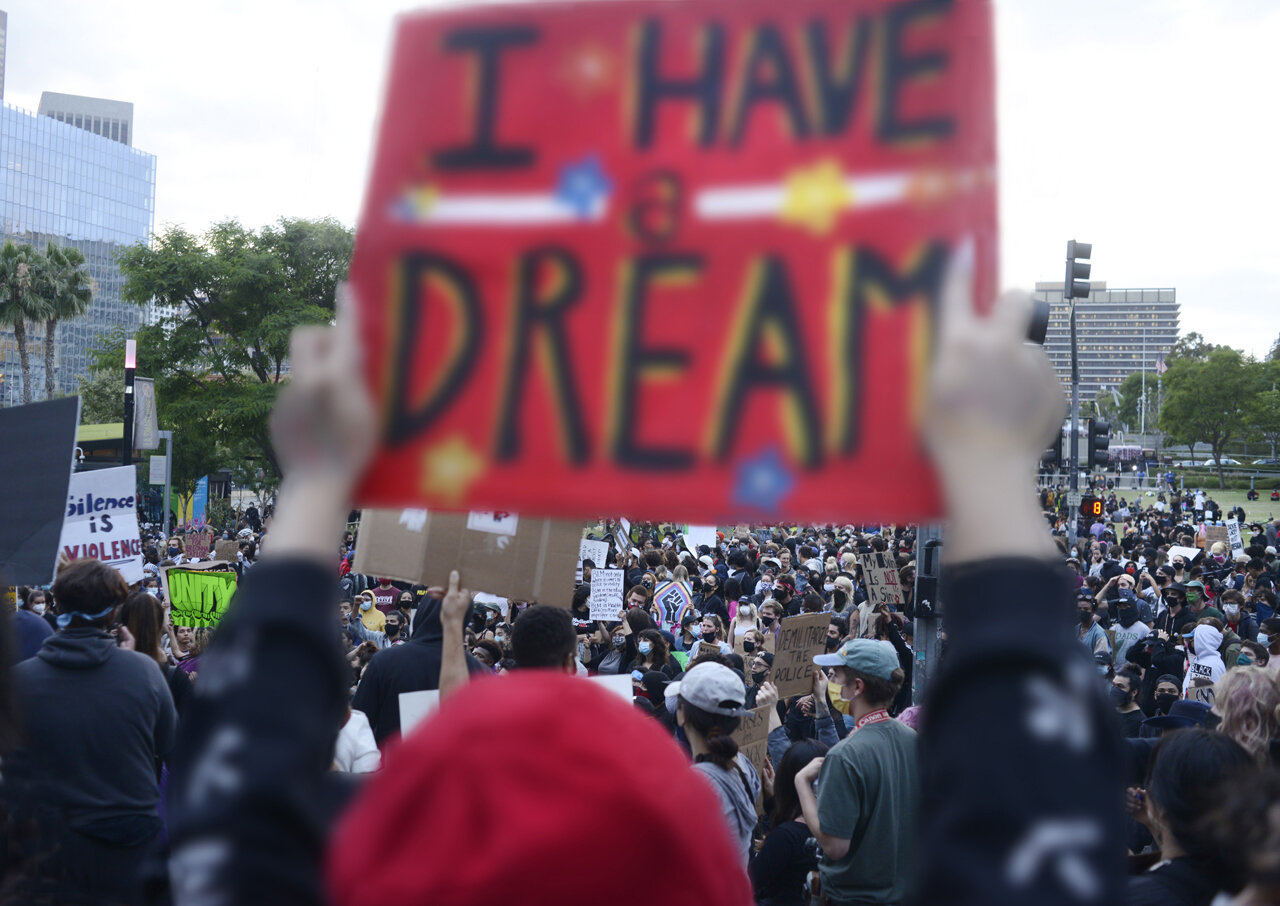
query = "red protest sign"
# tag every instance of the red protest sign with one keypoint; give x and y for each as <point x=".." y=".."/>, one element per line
<point x="679" y="260"/>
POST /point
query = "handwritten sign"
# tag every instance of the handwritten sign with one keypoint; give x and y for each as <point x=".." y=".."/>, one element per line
<point x="606" y="594"/>
<point x="752" y="735"/>
<point x="880" y="578"/>
<point x="101" y="520"/>
<point x="226" y="551"/>
<point x="800" y="639"/>
<point x="1235" y="539"/>
<point x="197" y="545"/>
<point x="199" y="597"/>
<point x="595" y="551"/>
<point x="555" y="185"/>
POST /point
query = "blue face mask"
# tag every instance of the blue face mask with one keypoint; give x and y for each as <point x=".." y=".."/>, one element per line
<point x="1243" y="660"/>
<point x="1264" y="640"/>
<point x="645" y="647"/>
<point x="366" y="604"/>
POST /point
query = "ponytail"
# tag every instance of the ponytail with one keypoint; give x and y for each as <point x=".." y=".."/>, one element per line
<point x="717" y="731"/>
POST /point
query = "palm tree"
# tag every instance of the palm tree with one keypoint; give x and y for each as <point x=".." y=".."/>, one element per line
<point x="21" y="269"/>
<point x="67" y="293"/>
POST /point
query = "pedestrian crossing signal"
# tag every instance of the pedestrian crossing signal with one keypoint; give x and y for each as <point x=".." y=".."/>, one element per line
<point x="1090" y="506"/>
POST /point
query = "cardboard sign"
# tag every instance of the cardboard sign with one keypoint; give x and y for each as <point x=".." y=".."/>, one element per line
<point x="752" y="735"/>
<point x="534" y="564"/>
<point x="880" y="579"/>
<point x="198" y="597"/>
<point x="34" y="477"/>
<point x="556" y="187"/>
<point x="198" y="544"/>
<point x="226" y="551"/>
<point x="102" y="520"/>
<point x="1186" y="553"/>
<point x="606" y="594"/>
<point x="800" y="639"/>
<point x="1214" y="534"/>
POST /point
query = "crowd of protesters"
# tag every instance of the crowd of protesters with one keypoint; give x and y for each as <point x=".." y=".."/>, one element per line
<point x="1052" y="756"/>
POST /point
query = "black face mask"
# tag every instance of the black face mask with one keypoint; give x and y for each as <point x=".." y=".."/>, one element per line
<point x="758" y="678"/>
<point x="1086" y="618"/>
<point x="748" y="646"/>
<point x="393" y="630"/>
<point x="1165" y="700"/>
<point x="832" y="644"/>
<point x="766" y="621"/>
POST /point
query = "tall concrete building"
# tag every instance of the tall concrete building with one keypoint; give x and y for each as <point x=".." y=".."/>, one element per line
<point x="1118" y="332"/>
<point x="110" y="119"/>
<point x="73" y="186"/>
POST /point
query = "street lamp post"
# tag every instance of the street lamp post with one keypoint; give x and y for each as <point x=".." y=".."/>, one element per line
<point x="130" y="370"/>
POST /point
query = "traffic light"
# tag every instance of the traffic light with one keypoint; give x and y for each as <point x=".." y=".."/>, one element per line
<point x="1077" y="282"/>
<point x="1099" y="434"/>
<point x="1090" y="506"/>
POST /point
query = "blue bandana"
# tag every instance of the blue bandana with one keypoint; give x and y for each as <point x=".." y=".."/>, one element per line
<point x="64" y="619"/>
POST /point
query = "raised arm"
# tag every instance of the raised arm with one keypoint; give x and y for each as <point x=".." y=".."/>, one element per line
<point x="1020" y="766"/>
<point x="250" y="799"/>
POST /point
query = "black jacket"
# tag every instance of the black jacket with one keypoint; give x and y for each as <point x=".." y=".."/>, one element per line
<point x="411" y="667"/>
<point x="1019" y="749"/>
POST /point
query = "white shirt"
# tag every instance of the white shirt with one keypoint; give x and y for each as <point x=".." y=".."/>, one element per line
<point x="356" y="752"/>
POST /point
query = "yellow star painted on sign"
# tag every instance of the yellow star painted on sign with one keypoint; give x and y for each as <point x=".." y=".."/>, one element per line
<point x="815" y="196"/>
<point x="422" y="199"/>
<point x="450" y="468"/>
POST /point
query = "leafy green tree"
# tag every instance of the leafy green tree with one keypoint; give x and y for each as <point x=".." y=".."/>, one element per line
<point x="1190" y="347"/>
<point x="1207" y="401"/>
<point x="234" y="297"/>
<point x="1131" y="400"/>
<point x="101" y="396"/>
<point x="1274" y="354"/>
<point x="66" y="290"/>
<point x="21" y="271"/>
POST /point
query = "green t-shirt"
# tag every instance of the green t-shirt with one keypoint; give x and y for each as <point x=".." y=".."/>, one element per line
<point x="868" y="792"/>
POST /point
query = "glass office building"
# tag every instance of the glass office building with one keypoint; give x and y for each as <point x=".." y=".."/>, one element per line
<point x="1119" y="332"/>
<point x="68" y="186"/>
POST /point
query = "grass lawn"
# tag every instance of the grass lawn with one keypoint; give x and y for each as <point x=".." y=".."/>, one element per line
<point x="1261" y="509"/>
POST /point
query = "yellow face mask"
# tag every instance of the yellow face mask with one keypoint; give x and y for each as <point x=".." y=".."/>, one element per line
<point x="840" y="704"/>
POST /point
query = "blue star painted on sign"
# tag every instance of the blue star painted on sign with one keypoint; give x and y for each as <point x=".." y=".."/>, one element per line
<point x="763" y="481"/>
<point x="582" y="184"/>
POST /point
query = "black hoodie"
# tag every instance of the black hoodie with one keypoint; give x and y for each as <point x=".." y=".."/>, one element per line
<point x="97" y="719"/>
<point x="411" y="667"/>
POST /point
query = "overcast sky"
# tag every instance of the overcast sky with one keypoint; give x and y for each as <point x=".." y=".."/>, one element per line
<point x="1146" y="127"/>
